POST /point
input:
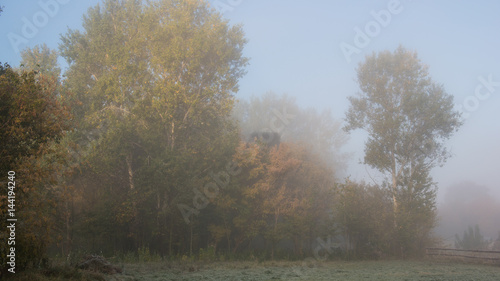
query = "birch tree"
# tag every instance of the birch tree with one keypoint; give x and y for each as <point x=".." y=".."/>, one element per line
<point x="156" y="81"/>
<point x="408" y="118"/>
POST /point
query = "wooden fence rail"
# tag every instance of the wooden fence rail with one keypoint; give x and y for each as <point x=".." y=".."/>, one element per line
<point x="465" y="255"/>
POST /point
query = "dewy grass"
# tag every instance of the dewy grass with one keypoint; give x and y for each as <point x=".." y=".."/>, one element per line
<point x="339" y="270"/>
<point x="389" y="270"/>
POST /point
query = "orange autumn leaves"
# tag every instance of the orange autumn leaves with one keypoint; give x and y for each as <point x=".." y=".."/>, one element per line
<point x="283" y="192"/>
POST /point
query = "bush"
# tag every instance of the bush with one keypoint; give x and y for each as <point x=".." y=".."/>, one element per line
<point x="207" y="254"/>
<point x="146" y="256"/>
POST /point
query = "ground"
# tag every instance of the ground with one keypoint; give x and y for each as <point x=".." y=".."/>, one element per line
<point x="424" y="270"/>
<point x="339" y="270"/>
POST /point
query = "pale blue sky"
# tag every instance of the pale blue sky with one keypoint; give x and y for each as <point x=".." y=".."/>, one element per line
<point x="294" y="47"/>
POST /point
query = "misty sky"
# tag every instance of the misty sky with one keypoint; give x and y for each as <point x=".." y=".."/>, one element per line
<point x="295" y="48"/>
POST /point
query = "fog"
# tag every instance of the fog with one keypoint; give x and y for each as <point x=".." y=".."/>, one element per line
<point x="295" y="48"/>
<point x="298" y="54"/>
<point x="467" y="204"/>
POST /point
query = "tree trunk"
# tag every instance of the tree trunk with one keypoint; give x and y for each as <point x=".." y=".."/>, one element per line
<point x="134" y="229"/>
<point x="170" y="235"/>
<point x="172" y="137"/>
<point x="128" y="159"/>
<point x="228" y="236"/>
<point x="394" y="188"/>
<point x="191" y="241"/>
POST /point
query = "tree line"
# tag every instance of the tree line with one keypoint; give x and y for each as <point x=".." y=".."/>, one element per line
<point x="142" y="144"/>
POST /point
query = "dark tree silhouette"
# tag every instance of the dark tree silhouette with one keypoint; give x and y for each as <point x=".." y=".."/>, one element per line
<point x="267" y="137"/>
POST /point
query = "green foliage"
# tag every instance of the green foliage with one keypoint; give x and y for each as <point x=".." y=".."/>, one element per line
<point x="364" y="215"/>
<point x="186" y="259"/>
<point x="143" y="124"/>
<point x="281" y="193"/>
<point x="208" y="254"/>
<point x="408" y="118"/>
<point x="42" y="60"/>
<point x="145" y="255"/>
<point x="471" y="240"/>
<point x="153" y="86"/>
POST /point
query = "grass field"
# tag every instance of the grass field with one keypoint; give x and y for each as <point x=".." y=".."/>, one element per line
<point x="358" y="270"/>
<point x="334" y="270"/>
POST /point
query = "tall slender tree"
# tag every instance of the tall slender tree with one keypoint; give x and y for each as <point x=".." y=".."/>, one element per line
<point x="408" y="118"/>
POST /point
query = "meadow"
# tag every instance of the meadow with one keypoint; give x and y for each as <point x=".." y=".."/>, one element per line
<point x="387" y="270"/>
<point x="334" y="270"/>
